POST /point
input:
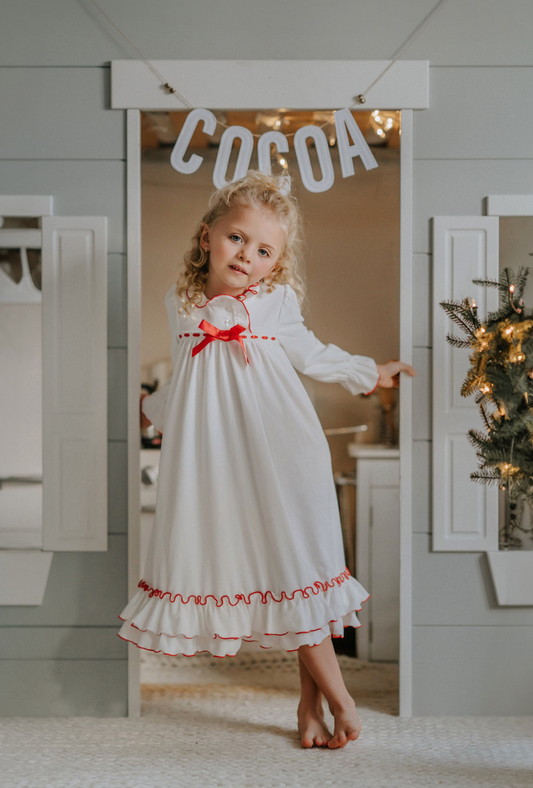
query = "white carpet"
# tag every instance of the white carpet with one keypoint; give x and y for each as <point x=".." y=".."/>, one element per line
<point x="233" y="726"/>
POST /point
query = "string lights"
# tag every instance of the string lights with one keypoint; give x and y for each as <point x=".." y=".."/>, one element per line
<point x="360" y="98"/>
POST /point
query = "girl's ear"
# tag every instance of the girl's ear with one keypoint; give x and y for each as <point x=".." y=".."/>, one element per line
<point x="204" y="237"/>
<point x="271" y="272"/>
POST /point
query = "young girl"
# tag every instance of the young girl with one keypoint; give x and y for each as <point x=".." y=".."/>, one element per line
<point x="247" y="543"/>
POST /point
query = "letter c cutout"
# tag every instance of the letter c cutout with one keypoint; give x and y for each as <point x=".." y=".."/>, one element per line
<point x="182" y="143"/>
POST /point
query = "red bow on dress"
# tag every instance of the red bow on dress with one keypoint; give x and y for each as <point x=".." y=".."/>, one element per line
<point x="226" y="335"/>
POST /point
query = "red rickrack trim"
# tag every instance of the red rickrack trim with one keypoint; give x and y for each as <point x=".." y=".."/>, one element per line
<point x="315" y="589"/>
<point x="247" y="637"/>
<point x="248" y="290"/>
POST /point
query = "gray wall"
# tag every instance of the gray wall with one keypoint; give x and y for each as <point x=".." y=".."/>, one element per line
<point x="58" y="138"/>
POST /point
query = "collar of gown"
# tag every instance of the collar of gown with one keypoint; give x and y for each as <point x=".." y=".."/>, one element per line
<point x="250" y="291"/>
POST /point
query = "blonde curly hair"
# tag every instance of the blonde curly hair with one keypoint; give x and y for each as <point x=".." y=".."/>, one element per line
<point x="261" y="191"/>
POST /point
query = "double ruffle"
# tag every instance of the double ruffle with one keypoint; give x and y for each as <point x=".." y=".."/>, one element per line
<point x="166" y="623"/>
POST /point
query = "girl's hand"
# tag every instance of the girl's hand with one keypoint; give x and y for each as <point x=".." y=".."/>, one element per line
<point x="145" y="421"/>
<point x="390" y="373"/>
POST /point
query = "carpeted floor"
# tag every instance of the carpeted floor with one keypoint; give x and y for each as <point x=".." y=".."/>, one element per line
<point x="373" y="685"/>
<point x="232" y="725"/>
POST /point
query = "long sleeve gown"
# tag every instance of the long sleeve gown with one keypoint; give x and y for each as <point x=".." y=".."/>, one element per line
<point x="246" y="543"/>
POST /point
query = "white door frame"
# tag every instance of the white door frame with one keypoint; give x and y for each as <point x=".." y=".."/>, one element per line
<point x="251" y="84"/>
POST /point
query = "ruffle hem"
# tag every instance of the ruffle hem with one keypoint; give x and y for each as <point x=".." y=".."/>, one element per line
<point x="167" y="624"/>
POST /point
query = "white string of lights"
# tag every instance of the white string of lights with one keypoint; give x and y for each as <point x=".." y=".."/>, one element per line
<point x="361" y="97"/>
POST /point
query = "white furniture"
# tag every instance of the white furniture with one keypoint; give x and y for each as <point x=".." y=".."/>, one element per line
<point x="377" y="549"/>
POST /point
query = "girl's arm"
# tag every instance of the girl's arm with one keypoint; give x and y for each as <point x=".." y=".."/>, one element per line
<point x="358" y="374"/>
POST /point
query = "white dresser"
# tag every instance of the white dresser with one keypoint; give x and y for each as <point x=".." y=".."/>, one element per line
<point x="377" y="549"/>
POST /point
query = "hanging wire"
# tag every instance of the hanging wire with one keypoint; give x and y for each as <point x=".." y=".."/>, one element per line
<point x="361" y="98"/>
<point x="150" y="65"/>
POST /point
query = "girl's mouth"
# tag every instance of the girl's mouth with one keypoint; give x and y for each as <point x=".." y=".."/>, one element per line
<point x="238" y="270"/>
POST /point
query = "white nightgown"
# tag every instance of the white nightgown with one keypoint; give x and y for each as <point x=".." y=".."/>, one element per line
<point x="246" y="542"/>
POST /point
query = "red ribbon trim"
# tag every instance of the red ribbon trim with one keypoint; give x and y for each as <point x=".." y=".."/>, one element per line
<point x="306" y="592"/>
<point x="226" y="335"/>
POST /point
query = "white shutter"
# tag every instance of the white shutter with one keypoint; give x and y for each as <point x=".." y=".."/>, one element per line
<point x="465" y="513"/>
<point x="74" y="308"/>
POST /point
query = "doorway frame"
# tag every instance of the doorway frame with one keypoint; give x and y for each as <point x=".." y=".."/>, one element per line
<point x="231" y="85"/>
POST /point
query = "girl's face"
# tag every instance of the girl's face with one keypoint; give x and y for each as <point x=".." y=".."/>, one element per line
<point x="244" y="246"/>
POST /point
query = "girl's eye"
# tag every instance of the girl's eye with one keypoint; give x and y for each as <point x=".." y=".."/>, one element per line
<point x="265" y="252"/>
<point x="234" y="236"/>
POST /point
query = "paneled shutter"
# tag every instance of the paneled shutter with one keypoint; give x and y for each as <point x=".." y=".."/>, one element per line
<point x="74" y="309"/>
<point x="465" y="513"/>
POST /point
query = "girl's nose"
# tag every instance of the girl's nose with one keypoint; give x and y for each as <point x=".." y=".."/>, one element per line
<point x="244" y="254"/>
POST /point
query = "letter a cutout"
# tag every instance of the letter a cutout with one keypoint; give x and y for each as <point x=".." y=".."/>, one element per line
<point x="344" y="123"/>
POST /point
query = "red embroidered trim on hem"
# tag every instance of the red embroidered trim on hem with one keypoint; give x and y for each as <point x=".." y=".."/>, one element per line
<point x="247" y="637"/>
<point x="318" y="585"/>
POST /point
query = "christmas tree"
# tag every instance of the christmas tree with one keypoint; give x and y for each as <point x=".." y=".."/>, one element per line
<point x="501" y="378"/>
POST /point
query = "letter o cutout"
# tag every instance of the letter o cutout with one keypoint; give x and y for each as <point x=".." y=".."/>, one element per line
<point x="264" y="159"/>
<point x="224" y="152"/>
<point x="263" y="149"/>
<point x="304" y="161"/>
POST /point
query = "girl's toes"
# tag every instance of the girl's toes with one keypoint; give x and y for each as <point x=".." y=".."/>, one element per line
<point x="306" y="741"/>
<point x="339" y="740"/>
<point x="353" y="733"/>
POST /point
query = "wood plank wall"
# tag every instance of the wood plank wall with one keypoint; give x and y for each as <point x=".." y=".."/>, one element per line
<point x="59" y="138"/>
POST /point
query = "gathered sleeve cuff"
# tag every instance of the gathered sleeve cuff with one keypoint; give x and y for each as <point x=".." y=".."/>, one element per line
<point x="358" y="374"/>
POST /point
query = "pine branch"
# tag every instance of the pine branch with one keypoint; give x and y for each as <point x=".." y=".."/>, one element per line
<point x="457" y="341"/>
<point x="451" y="308"/>
<point x="464" y="309"/>
<point x="485" y="418"/>
<point x="521" y="280"/>
<point x="486" y="283"/>
<point x="485" y="478"/>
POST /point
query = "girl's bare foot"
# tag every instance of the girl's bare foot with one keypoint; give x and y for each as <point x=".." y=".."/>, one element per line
<point x="311" y="725"/>
<point x="347" y="725"/>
